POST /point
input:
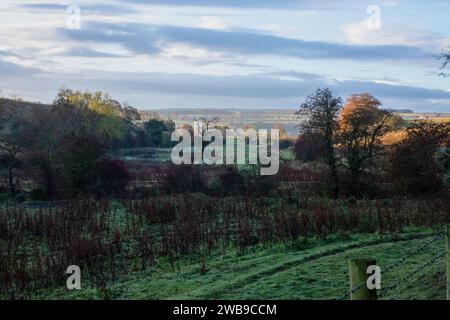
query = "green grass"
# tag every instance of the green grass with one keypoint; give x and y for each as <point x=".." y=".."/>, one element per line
<point x="287" y="154"/>
<point x="317" y="270"/>
<point x="159" y="155"/>
<point x="156" y="155"/>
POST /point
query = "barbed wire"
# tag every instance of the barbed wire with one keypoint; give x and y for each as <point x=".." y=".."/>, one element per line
<point x="351" y="291"/>
<point x="420" y="247"/>
<point x="415" y="271"/>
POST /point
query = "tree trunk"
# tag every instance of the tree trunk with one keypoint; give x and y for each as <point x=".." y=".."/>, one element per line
<point x="333" y="171"/>
<point x="354" y="181"/>
<point x="12" y="187"/>
<point x="335" y="181"/>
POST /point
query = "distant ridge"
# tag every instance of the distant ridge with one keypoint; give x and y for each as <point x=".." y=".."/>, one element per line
<point x="7" y="102"/>
<point x="402" y="110"/>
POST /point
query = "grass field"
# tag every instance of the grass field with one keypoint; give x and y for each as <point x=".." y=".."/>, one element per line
<point x="159" y="155"/>
<point x="293" y="269"/>
<point x="156" y="155"/>
<point x="317" y="270"/>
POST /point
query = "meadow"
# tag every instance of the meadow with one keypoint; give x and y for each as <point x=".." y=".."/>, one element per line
<point x="93" y="186"/>
<point x="316" y="271"/>
<point x="270" y="240"/>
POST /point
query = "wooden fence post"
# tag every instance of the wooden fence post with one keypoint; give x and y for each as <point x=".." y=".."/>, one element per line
<point x="358" y="277"/>
<point x="448" y="261"/>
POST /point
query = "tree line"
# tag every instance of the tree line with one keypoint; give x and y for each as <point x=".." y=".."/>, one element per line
<point x="350" y="139"/>
<point x="62" y="147"/>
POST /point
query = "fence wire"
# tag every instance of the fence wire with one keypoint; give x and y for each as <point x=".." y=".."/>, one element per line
<point x="420" y="247"/>
<point x="351" y="291"/>
<point x="415" y="271"/>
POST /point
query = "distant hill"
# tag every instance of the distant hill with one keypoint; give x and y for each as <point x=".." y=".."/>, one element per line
<point x="6" y="102"/>
<point x="406" y="111"/>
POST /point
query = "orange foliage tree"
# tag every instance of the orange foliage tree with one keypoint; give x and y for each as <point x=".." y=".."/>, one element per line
<point x="413" y="161"/>
<point x="362" y="125"/>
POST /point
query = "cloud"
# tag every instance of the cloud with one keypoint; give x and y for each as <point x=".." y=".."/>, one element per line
<point x="211" y="38"/>
<point x="272" y="90"/>
<point x="358" y="33"/>
<point x="88" y="53"/>
<point x="110" y="8"/>
<point x="138" y="38"/>
<point x="271" y="85"/>
<point x="12" y="69"/>
<point x="209" y="22"/>
<point x="285" y="89"/>
<point x="255" y="43"/>
<point x="267" y="4"/>
<point x="392" y="91"/>
<point x="44" y="6"/>
<point x="150" y="39"/>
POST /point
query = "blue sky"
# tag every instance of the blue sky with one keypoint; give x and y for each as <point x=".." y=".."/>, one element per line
<point x="229" y="53"/>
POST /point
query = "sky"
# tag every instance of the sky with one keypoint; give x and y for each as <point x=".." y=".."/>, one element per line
<point x="155" y="54"/>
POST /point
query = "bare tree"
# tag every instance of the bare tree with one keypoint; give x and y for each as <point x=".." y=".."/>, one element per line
<point x="10" y="149"/>
<point x="444" y="58"/>
<point x="208" y="122"/>
<point x="11" y="136"/>
<point x="320" y="116"/>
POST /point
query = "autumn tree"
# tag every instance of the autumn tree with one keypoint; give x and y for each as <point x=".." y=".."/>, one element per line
<point x="70" y="138"/>
<point x="319" y="116"/>
<point x="69" y="142"/>
<point x="413" y="161"/>
<point x="362" y="126"/>
<point x="61" y="147"/>
<point x="108" y="113"/>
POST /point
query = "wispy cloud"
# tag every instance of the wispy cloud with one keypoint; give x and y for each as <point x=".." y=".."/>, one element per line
<point x="151" y="39"/>
<point x="272" y="4"/>
<point x="89" y="53"/>
<point x="106" y="8"/>
<point x="8" y="69"/>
